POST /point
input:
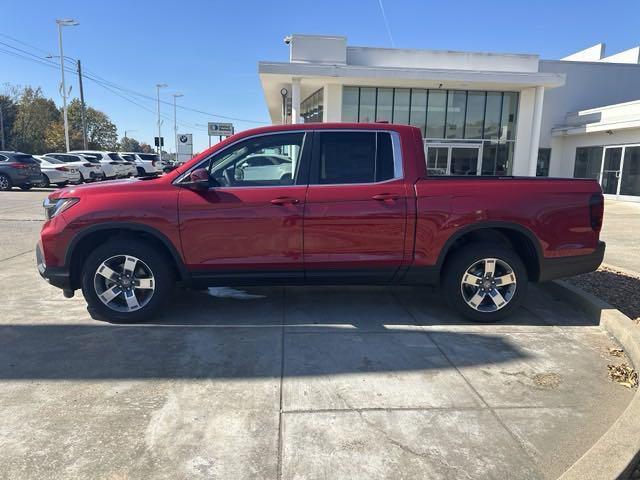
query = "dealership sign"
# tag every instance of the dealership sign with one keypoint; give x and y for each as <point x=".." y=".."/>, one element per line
<point x="185" y="147"/>
<point x="220" y="129"/>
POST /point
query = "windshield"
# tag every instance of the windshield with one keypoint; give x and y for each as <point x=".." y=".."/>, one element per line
<point x="91" y="157"/>
<point x="148" y="156"/>
<point x="52" y="160"/>
<point x="114" y="156"/>
<point x="23" y="158"/>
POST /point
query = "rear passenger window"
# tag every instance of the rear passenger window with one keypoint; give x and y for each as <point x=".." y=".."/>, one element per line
<point x="355" y="157"/>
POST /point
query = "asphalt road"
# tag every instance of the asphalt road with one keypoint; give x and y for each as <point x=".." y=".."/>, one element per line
<point x="293" y="383"/>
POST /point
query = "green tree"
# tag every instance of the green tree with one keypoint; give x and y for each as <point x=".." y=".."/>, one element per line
<point x="101" y="131"/>
<point x="35" y="116"/>
<point x="146" y="148"/>
<point x="128" y="144"/>
<point x="9" y="107"/>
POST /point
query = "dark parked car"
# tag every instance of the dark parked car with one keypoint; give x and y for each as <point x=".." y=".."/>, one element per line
<point x="18" y="170"/>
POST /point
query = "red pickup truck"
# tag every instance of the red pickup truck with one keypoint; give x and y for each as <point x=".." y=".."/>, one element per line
<point x="318" y="204"/>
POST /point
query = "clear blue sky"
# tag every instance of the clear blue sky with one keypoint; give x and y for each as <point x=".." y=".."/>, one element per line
<point x="208" y="50"/>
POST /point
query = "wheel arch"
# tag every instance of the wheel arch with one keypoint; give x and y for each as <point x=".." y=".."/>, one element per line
<point x="515" y="236"/>
<point x="89" y="238"/>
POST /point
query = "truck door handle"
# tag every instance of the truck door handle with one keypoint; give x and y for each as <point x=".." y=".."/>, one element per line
<point x="285" y="201"/>
<point x="386" y="196"/>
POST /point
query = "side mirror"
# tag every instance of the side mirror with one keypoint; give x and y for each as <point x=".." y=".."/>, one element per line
<point x="197" y="180"/>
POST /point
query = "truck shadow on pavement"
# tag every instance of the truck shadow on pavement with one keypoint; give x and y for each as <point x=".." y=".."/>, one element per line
<point x="314" y="331"/>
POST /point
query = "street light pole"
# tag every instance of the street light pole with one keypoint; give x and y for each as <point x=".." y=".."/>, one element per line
<point x="64" y="23"/>
<point x="175" y="124"/>
<point x="83" y="108"/>
<point x="1" y="128"/>
<point x="158" y="87"/>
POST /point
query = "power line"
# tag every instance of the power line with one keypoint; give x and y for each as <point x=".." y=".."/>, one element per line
<point x="124" y="89"/>
<point x="50" y="64"/>
<point x="386" y="23"/>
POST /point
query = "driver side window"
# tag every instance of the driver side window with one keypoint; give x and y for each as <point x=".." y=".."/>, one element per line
<point x="267" y="160"/>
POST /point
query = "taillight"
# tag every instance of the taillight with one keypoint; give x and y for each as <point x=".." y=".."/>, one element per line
<point x="62" y="169"/>
<point x="20" y="166"/>
<point x="596" y="211"/>
<point x="86" y="164"/>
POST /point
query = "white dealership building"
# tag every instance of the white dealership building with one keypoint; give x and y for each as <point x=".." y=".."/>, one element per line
<point x="480" y="113"/>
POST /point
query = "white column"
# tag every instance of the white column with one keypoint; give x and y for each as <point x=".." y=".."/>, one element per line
<point x="535" y="131"/>
<point x="332" y="103"/>
<point x="295" y="100"/>
<point x="524" y="127"/>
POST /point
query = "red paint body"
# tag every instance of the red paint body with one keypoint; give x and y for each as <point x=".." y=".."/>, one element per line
<point x="326" y="229"/>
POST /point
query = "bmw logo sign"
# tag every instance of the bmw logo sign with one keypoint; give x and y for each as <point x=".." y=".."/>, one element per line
<point x="183" y="139"/>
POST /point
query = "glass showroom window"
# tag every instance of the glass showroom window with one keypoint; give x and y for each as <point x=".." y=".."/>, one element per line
<point x="630" y="182"/>
<point x="588" y="162"/>
<point x="418" y="111"/>
<point x="384" y="105"/>
<point x="475" y="115"/>
<point x="436" y="113"/>
<point x="544" y="158"/>
<point x="456" y="106"/>
<point x="439" y="114"/>
<point x="312" y="107"/>
<point x="401" y="100"/>
<point x="486" y="120"/>
<point x="350" y="101"/>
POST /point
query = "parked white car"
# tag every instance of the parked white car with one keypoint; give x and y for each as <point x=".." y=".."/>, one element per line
<point x="90" y="170"/>
<point x="147" y="164"/>
<point x="265" y="166"/>
<point x="56" y="172"/>
<point x="110" y="168"/>
<point x="128" y="166"/>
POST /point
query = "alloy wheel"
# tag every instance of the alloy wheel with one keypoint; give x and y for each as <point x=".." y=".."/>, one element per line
<point x="4" y="183"/>
<point x="488" y="285"/>
<point x="124" y="283"/>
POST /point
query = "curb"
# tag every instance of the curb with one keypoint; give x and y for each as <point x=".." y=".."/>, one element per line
<point x="615" y="454"/>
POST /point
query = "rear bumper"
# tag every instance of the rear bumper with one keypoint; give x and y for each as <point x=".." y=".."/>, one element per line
<point x="56" y="276"/>
<point x="554" y="268"/>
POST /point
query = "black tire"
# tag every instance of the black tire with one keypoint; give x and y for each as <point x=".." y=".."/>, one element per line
<point x="82" y="180"/>
<point x="141" y="172"/>
<point x="45" y="181"/>
<point x="455" y="270"/>
<point x="5" y="183"/>
<point x="156" y="262"/>
<point x="63" y="184"/>
<point x="285" y="179"/>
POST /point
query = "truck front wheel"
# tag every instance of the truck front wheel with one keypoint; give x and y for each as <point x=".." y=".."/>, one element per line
<point x="126" y="281"/>
<point x="485" y="283"/>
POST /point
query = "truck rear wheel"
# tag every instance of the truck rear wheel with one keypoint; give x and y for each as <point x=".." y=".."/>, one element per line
<point x="485" y="283"/>
<point x="126" y="281"/>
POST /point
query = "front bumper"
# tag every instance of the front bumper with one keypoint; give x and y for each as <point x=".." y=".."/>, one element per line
<point x="56" y="276"/>
<point x="554" y="268"/>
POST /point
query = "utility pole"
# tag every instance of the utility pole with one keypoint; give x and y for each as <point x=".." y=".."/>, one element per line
<point x="1" y="128"/>
<point x="175" y="124"/>
<point x="64" y="23"/>
<point x="158" y="87"/>
<point x="82" y="111"/>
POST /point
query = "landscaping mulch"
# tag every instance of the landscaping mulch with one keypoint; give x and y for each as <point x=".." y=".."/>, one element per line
<point x="620" y="289"/>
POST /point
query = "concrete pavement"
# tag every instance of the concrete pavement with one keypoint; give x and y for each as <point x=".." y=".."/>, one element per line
<point x="621" y="231"/>
<point x="291" y="383"/>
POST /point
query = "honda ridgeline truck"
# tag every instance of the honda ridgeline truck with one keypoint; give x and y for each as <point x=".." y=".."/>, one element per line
<point x="359" y="207"/>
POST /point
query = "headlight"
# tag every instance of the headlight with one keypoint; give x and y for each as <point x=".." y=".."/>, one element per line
<point x="55" y="207"/>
